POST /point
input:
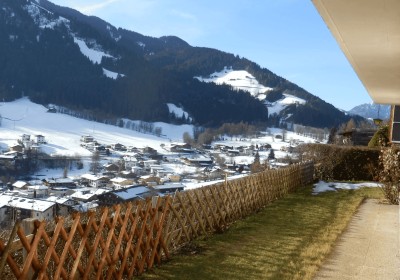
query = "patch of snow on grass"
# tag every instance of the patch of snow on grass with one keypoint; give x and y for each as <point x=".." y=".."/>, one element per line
<point x="322" y="186"/>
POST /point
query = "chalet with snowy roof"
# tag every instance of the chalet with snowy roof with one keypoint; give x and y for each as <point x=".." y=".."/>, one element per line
<point x="87" y="194"/>
<point x="198" y="161"/>
<point x="158" y="170"/>
<point x="174" y="177"/>
<point x="20" y="185"/>
<point x="60" y="191"/>
<point x="22" y="208"/>
<point x="87" y="139"/>
<point x="118" y="147"/>
<point x="181" y="148"/>
<point x="137" y="170"/>
<point x="169" y="188"/>
<point x="121" y="182"/>
<point x="17" y="148"/>
<point x="64" y="205"/>
<point x="94" y="181"/>
<point x="126" y="195"/>
<point x="130" y="161"/>
<point x="150" y="180"/>
<point x="38" y="191"/>
<point x="59" y="182"/>
<point x="7" y="160"/>
<point x="111" y="167"/>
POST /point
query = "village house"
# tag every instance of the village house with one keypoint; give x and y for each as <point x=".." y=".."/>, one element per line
<point x="25" y="138"/>
<point x="125" y="195"/>
<point x="94" y="181"/>
<point x="150" y="180"/>
<point x="59" y="182"/>
<point x="60" y="191"/>
<point x="20" y="185"/>
<point x="111" y="167"/>
<point x="38" y="191"/>
<point x="120" y="182"/>
<point x="174" y="177"/>
<point x="22" y="208"/>
<point x="64" y="205"/>
<point x="40" y="139"/>
<point x="158" y="170"/>
<point x="169" y="188"/>
<point x="17" y="148"/>
<point x="87" y="139"/>
<point x="87" y="194"/>
<point x="138" y="171"/>
<point x="198" y="161"/>
<point x="130" y="161"/>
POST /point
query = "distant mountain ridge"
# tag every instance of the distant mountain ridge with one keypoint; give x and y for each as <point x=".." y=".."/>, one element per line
<point x="57" y="55"/>
<point x="371" y="111"/>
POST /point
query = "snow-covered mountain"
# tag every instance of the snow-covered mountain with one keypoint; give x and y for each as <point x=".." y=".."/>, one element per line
<point x="57" y="55"/>
<point x="371" y="111"/>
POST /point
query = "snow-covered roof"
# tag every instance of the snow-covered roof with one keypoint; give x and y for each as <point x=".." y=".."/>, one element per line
<point x="25" y="203"/>
<point x="60" y="181"/>
<point x="118" y="180"/>
<point x="131" y="193"/>
<point x="19" y="184"/>
<point x="93" y="177"/>
<point x="59" y="200"/>
<point x="38" y="187"/>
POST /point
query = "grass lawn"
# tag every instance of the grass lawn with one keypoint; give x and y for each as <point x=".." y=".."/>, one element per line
<point x="288" y="239"/>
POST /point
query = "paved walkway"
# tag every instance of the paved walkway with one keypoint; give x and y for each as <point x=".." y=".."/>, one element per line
<point x="369" y="248"/>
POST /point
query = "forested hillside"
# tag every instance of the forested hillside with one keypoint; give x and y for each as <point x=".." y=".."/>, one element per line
<point x="46" y="53"/>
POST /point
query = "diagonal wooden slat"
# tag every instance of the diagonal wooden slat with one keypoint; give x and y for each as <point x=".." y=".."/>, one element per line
<point x="139" y="240"/>
<point x="51" y="251"/>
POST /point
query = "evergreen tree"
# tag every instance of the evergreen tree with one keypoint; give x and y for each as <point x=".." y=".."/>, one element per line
<point x="271" y="154"/>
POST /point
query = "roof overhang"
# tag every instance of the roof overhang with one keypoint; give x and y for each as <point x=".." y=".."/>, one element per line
<point x="368" y="32"/>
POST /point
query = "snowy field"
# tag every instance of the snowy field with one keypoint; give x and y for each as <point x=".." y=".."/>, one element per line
<point x="63" y="132"/>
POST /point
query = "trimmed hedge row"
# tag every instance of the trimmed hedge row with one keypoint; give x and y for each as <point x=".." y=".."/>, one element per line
<point x="342" y="163"/>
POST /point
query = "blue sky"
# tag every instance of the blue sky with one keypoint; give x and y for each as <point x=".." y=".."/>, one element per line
<point x="286" y="36"/>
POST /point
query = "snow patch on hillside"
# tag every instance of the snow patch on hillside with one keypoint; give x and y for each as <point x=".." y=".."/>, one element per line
<point x="35" y="11"/>
<point x="112" y="75"/>
<point x="243" y="80"/>
<point x="94" y="56"/>
<point x="238" y="79"/>
<point x="177" y="111"/>
<point x="278" y="106"/>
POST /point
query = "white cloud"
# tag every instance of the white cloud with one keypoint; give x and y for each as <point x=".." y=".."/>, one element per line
<point x="183" y="15"/>
<point x="90" y="9"/>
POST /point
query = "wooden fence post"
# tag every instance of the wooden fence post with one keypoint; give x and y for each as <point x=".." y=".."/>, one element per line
<point x="28" y="226"/>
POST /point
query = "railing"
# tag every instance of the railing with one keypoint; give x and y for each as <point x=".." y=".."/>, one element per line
<point x="124" y="240"/>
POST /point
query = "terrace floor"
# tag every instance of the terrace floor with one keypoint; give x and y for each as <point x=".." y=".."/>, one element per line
<point x="369" y="248"/>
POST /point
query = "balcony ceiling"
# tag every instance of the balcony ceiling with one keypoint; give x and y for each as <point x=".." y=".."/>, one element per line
<point x="368" y="32"/>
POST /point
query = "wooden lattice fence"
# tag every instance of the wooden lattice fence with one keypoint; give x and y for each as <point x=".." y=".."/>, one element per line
<point x="122" y="241"/>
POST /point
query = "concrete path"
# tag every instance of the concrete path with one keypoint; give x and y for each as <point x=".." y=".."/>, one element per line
<point x="369" y="248"/>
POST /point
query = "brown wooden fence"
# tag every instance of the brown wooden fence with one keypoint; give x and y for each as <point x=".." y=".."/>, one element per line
<point x="122" y="241"/>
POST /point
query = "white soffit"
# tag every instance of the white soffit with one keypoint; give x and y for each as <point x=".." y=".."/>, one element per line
<point x="368" y="32"/>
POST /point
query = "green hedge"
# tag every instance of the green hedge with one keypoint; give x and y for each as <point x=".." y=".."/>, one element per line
<point x="342" y="163"/>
